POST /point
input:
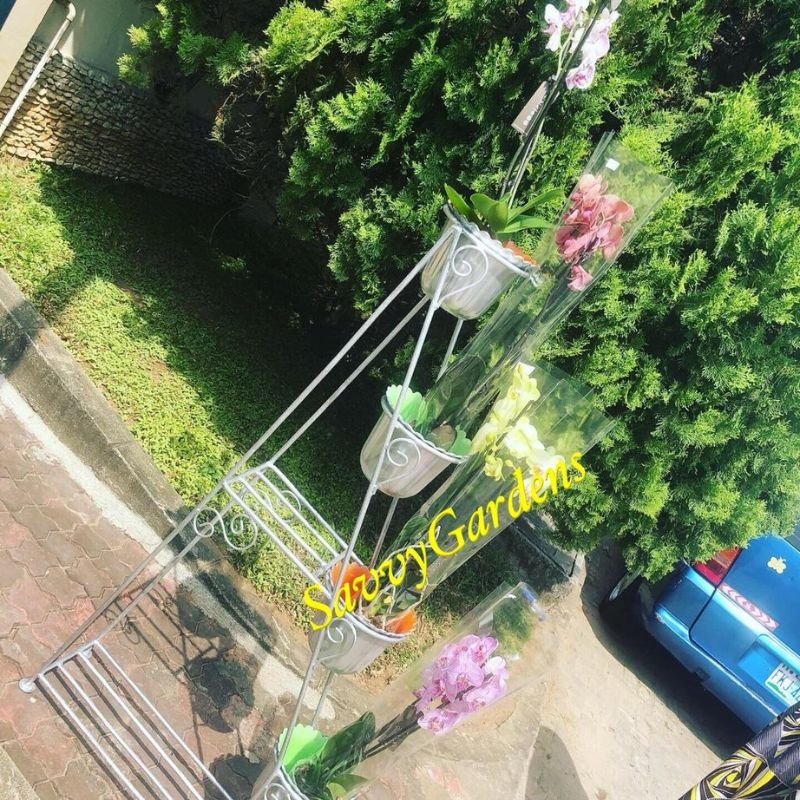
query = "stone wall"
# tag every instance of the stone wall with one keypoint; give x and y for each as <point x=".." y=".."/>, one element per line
<point x="82" y="118"/>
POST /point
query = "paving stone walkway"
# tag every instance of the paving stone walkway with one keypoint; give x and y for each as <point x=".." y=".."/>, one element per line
<point x="226" y="683"/>
<point x="60" y="554"/>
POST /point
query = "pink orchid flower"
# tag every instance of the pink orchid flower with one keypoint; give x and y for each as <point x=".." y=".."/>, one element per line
<point x="593" y="223"/>
<point x="582" y="76"/>
<point x="439" y="720"/>
<point x="579" y="279"/>
<point x="574" y="10"/>
<point x="481" y="649"/>
<point x="615" y="206"/>
<point x="463" y="678"/>
<point x="555" y="22"/>
<point x="461" y="675"/>
<point x="588" y="186"/>
<point x="597" y="43"/>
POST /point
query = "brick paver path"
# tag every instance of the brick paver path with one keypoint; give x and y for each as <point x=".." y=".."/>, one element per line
<point x="59" y="555"/>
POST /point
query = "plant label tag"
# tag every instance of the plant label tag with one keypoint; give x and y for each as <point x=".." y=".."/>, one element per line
<point x="612" y="164"/>
<point x="523" y="121"/>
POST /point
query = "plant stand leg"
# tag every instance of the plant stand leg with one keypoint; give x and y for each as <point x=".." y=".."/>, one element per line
<point x="323" y="696"/>
<point x="369" y="494"/>
<point x="384" y="530"/>
<point x="350" y="378"/>
<point x="450" y="348"/>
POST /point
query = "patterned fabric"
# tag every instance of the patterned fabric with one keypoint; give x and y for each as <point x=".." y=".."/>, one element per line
<point x="764" y="769"/>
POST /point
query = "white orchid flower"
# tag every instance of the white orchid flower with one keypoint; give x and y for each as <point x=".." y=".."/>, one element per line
<point x="545" y="459"/>
<point x="552" y="16"/>
<point x="522" y="441"/>
<point x="493" y="467"/>
<point x="504" y="410"/>
<point x="488" y="434"/>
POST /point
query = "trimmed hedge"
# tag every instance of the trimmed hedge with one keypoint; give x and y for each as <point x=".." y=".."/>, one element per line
<point x="692" y="339"/>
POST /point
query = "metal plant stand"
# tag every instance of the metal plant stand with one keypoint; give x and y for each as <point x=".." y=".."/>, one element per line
<point x="255" y="499"/>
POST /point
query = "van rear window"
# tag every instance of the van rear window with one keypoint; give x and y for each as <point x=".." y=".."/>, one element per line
<point x="794" y="538"/>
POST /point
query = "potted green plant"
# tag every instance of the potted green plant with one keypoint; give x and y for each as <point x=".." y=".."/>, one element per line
<point x="352" y="641"/>
<point x="611" y="201"/>
<point x="416" y="453"/>
<point x="477" y="251"/>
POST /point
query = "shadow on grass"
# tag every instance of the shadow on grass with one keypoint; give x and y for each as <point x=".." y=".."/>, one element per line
<point x="242" y="350"/>
<point x="238" y="328"/>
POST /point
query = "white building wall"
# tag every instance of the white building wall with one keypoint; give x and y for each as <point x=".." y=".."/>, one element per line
<point x="99" y="35"/>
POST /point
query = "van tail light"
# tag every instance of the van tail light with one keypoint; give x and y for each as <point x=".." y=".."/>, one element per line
<point x="715" y="569"/>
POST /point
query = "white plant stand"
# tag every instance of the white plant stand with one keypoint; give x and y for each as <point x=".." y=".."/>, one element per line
<point x="256" y="499"/>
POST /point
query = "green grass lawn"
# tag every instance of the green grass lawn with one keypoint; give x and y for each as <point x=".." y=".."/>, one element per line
<point x="195" y="358"/>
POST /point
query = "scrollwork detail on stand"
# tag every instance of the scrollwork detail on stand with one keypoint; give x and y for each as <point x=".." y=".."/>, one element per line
<point x="342" y="635"/>
<point x="277" y="792"/>
<point x="403" y="452"/>
<point x="209" y="521"/>
<point x="297" y="505"/>
<point x="206" y="522"/>
<point x="463" y="268"/>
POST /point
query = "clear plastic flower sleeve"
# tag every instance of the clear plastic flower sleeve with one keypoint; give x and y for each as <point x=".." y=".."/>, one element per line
<point x="610" y="203"/>
<point x="490" y="655"/>
<point x="528" y="449"/>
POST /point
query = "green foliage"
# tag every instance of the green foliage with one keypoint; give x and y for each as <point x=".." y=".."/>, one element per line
<point x="326" y="775"/>
<point x="184" y="38"/>
<point x="692" y="339"/>
<point x="502" y="220"/>
<point x="415" y="412"/>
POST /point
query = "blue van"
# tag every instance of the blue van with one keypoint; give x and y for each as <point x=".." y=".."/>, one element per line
<point x="733" y="621"/>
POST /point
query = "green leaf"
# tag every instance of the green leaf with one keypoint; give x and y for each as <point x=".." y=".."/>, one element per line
<point x="461" y="445"/>
<point x="483" y="203"/>
<point x="458" y="202"/>
<point x="343" y="784"/>
<point x="525" y="223"/>
<point x="413" y="410"/>
<point x="305" y="743"/>
<point x="494" y="212"/>
<point x="539" y="200"/>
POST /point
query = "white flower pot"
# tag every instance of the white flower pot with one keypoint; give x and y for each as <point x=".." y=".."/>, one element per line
<point x="411" y="461"/>
<point x="478" y="268"/>
<point x="351" y="643"/>
<point x="275" y="784"/>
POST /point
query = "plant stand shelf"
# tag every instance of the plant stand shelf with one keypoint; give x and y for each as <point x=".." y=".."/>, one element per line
<point x="274" y="507"/>
<point x="144" y="753"/>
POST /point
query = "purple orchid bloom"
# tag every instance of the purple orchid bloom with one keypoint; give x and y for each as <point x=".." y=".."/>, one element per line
<point x="582" y="76"/>
<point x="428" y="694"/>
<point x="482" y="696"/>
<point x="439" y="720"/>
<point x="462" y="679"/>
<point x="462" y="674"/>
<point x="496" y="667"/>
<point x="481" y="649"/>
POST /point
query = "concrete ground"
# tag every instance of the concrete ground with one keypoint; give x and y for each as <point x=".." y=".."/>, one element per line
<point x="608" y="715"/>
<point x="623" y="720"/>
<point x="65" y="543"/>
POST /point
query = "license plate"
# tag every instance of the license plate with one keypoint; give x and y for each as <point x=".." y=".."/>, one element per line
<point x="785" y="682"/>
